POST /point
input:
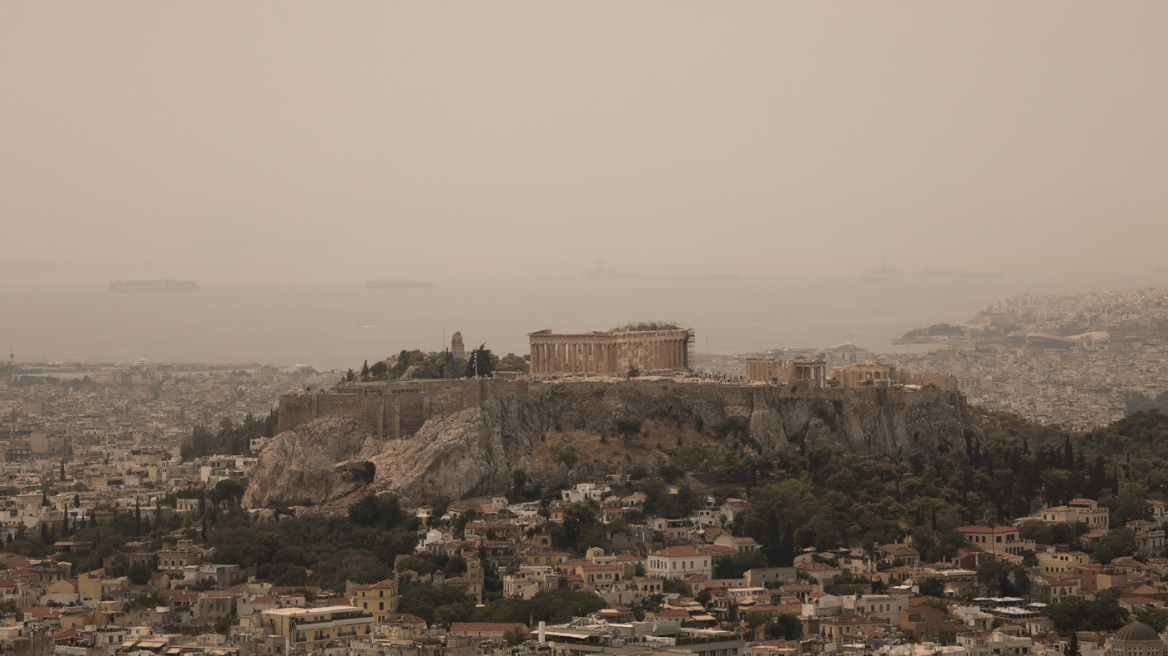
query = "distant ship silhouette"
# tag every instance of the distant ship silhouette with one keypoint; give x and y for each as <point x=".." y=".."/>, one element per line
<point x="602" y="271"/>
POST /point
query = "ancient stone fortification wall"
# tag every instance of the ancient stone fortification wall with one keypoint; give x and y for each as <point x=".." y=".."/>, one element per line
<point x="946" y="382"/>
<point x="866" y="418"/>
<point x="394" y="410"/>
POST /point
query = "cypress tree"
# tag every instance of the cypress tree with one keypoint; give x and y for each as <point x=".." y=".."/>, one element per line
<point x="772" y="538"/>
<point x="787" y="550"/>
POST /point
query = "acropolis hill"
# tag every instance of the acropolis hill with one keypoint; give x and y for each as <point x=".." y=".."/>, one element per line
<point x="449" y="439"/>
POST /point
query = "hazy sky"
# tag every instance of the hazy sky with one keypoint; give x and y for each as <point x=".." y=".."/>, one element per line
<point x="433" y="140"/>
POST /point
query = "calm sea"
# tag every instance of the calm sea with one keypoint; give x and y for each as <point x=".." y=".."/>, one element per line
<point x="339" y="325"/>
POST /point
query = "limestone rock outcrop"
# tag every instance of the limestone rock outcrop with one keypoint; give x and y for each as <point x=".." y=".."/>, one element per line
<point x="473" y="449"/>
<point x="458" y="456"/>
<point x="317" y="462"/>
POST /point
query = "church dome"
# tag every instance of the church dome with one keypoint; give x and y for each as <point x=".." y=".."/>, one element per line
<point x="1137" y="632"/>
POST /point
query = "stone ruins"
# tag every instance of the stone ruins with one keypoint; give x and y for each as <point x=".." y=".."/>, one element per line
<point x="641" y="347"/>
<point x="787" y="371"/>
<point x="878" y="374"/>
<point x="882" y="374"/>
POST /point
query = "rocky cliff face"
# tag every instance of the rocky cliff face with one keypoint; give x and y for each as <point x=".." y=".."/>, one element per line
<point x="321" y="461"/>
<point x="473" y="451"/>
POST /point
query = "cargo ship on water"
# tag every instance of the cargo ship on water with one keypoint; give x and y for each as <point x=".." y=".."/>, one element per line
<point x="602" y="271"/>
<point x="153" y="286"/>
<point x="398" y="284"/>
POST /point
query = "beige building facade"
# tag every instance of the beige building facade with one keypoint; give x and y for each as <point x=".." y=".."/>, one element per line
<point x="307" y="629"/>
<point x="380" y="599"/>
<point x="644" y="347"/>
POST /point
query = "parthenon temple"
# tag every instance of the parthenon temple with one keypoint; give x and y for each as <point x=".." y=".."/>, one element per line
<point x="644" y="347"/>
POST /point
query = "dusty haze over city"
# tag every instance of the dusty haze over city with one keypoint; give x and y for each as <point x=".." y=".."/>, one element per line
<point x="511" y="147"/>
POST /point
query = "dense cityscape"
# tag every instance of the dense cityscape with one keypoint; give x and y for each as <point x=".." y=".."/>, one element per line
<point x="132" y="522"/>
<point x="649" y="328"/>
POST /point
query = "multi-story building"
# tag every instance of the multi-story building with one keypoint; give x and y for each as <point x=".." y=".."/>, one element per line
<point x="529" y="581"/>
<point x="380" y="598"/>
<point x="585" y="492"/>
<point x="306" y="629"/>
<point x="847" y="628"/>
<point x="1088" y="511"/>
<point x="996" y="540"/>
<point x="678" y="562"/>
<point x="886" y="606"/>
<point x="1061" y="562"/>
<point x="176" y="560"/>
<point x="1149" y="536"/>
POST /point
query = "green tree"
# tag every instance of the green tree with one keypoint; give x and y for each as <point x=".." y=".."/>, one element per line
<point x="514" y="636"/>
<point x="382" y="511"/>
<point x="931" y="587"/>
<point x="118" y="565"/>
<point x="1116" y="543"/>
<point x="518" y="486"/>
<point x="784" y="626"/>
<point x="139" y="573"/>
<point x="10" y="608"/>
<point x="733" y="567"/>
<point x="227" y="491"/>
<point x="455" y="566"/>
<point x="628" y="427"/>
<point x="1000" y="578"/>
<point x="1078" y="614"/>
<point x="512" y="362"/>
<point x="1156" y="618"/>
<point x="481" y="362"/>
<point x="772" y="542"/>
<point x="579" y="530"/>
